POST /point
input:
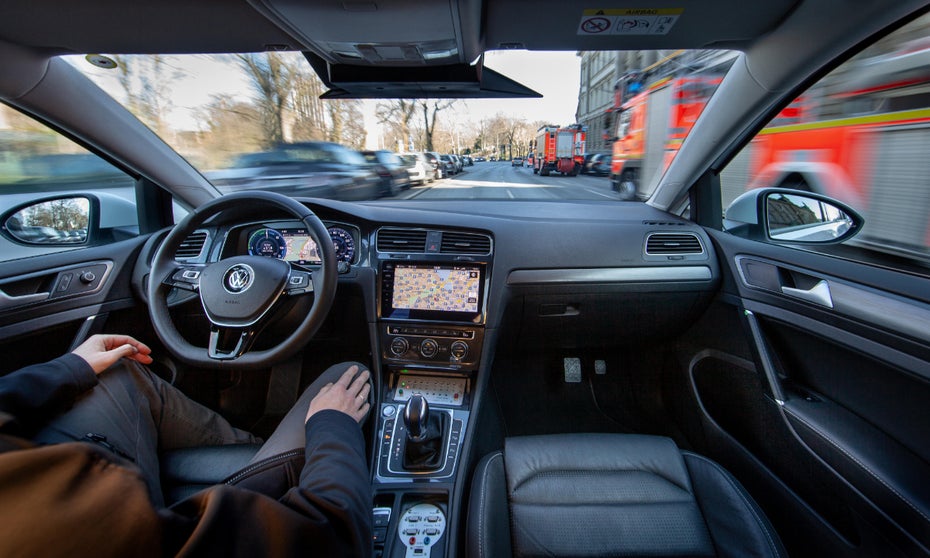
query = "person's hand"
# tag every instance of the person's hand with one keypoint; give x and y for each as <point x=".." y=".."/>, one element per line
<point x="101" y="351"/>
<point x="346" y="395"/>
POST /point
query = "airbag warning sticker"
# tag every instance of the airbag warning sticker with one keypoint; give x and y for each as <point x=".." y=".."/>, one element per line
<point x="645" y="21"/>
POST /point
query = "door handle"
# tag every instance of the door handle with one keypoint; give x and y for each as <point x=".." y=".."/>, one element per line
<point x="7" y="301"/>
<point x="818" y="294"/>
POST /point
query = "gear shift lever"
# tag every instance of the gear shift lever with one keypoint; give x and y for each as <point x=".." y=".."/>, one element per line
<point x="416" y="417"/>
<point x="426" y="433"/>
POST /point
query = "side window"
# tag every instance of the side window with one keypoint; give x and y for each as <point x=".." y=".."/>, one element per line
<point x="860" y="136"/>
<point x="55" y="195"/>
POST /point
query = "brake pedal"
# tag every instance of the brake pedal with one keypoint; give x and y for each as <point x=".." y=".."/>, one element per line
<point x="572" y="370"/>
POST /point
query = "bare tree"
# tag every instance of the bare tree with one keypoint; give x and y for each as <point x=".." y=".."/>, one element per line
<point x="430" y="110"/>
<point x="147" y="82"/>
<point x="271" y="75"/>
<point x="397" y="115"/>
<point x="230" y="127"/>
<point x="346" y="123"/>
<point x="308" y="109"/>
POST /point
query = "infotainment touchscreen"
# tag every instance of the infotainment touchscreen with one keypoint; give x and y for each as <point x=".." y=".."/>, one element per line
<point x="431" y="291"/>
<point x="443" y="289"/>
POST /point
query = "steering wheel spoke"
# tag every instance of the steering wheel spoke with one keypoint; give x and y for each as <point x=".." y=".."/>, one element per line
<point x="185" y="277"/>
<point x="221" y="338"/>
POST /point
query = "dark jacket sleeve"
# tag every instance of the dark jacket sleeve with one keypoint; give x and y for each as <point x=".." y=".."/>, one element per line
<point x="36" y="392"/>
<point x="327" y="514"/>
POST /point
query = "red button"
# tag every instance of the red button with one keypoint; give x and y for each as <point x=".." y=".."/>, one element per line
<point x="413" y="540"/>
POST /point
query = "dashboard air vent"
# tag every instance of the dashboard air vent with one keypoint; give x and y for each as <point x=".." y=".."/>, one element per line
<point x="401" y="240"/>
<point x="662" y="244"/>
<point x="192" y="245"/>
<point x="465" y="243"/>
<point x="664" y="223"/>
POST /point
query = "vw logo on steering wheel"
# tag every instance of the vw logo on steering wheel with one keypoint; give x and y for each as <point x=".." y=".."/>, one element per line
<point x="238" y="278"/>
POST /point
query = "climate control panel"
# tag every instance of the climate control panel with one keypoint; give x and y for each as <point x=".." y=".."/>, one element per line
<point x="457" y="347"/>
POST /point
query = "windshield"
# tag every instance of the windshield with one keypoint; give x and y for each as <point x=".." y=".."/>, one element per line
<point x="255" y="121"/>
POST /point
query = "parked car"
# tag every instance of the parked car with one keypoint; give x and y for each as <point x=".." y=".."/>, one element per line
<point x="391" y="169"/>
<point x="449" y="165"/>
<point x="468" y="161"/>
<point x="435" y="159"/>
<point x="312" y="169"/>
<point x="419" y="168"/>
<point x="459" y="165"/>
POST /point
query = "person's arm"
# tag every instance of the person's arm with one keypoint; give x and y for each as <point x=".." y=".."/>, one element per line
<point x="327" y="514"/>
<point x="34" y="392"/>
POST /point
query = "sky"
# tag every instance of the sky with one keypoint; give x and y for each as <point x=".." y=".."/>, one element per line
<point x="555" y="75"/>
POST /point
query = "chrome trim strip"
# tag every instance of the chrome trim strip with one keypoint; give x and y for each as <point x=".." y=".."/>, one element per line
<point x="911" y="318"/>
<point x="610" y="275"/>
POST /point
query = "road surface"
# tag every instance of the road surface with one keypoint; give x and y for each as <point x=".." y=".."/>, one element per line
<point x="501" y="181"/>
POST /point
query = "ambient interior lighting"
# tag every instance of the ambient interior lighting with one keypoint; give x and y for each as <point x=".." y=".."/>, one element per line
<point x="437" y="54"/>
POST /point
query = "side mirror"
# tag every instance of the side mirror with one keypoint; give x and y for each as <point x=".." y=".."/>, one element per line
<point x="790" y="216"/>
<point x="62" y="221"/>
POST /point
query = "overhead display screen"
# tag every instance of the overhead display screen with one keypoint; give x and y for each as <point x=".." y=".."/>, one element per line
<point x="436" y="288"/>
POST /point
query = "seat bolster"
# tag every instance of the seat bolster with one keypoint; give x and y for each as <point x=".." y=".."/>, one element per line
<point x="488" y="510"/>
<point x="529" y="456"/>
<point x="736" y="523"/>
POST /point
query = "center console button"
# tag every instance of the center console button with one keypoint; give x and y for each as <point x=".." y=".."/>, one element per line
<point x="429" y="348"/>
<point x="458" y="350"/>
<point x="399" y="346"/>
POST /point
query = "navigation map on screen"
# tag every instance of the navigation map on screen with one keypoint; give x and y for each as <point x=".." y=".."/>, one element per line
<point x="300" y="248"/>
<point x="442" y="289"/>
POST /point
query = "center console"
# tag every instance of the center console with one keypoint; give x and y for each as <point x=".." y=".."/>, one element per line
<point x="431" y="319"/>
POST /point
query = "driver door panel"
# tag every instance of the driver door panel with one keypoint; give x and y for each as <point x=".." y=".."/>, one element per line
<point x="47" y="302"/>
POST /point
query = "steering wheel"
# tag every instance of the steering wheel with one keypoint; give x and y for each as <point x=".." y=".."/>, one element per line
<point x="238" y="294"/>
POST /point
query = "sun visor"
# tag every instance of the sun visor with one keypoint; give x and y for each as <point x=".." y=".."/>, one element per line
<point x="457" y="81"/>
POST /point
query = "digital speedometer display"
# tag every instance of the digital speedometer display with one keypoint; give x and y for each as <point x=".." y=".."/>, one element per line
<point x="268" y="243"/>
<point x="296" y="245"/>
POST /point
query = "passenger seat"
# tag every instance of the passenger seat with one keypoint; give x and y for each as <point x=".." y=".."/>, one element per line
<point x="610" y="495"/>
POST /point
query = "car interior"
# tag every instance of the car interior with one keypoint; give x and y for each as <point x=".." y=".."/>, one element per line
<point x="670" y="376"/>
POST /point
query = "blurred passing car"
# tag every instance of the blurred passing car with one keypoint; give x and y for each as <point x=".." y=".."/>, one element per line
<point x="311" y="169"/>
<point x="516" y="162"/>
<point x="598" y="165"/>
<point x="419" y="169"/>
<point x="391" y="169"/>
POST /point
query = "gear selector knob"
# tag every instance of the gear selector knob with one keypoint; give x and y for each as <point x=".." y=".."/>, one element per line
<point x="416" y="416"/>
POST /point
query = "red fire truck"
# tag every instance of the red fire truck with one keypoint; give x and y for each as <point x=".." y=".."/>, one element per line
<point x="559" y="149"/>
<point x="856" y="132"/>
<point x="652" y="119"/>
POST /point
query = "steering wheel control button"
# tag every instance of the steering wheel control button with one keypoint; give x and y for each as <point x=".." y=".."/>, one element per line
<point x="429" y="348"/>
<point x="417" y="539"/>
<point x="190" y="274"/>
